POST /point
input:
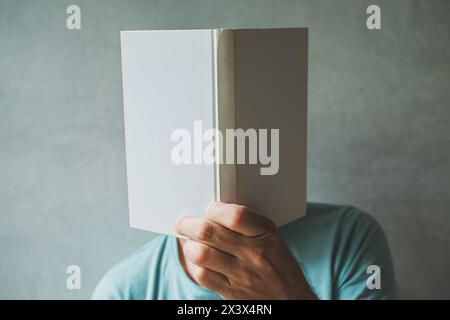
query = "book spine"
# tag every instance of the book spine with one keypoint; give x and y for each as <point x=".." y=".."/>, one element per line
<point x="214" y="40"/>
<point x="227" y="184"/>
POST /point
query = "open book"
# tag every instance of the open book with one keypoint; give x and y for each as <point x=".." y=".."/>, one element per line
<point x="217" y="114"/>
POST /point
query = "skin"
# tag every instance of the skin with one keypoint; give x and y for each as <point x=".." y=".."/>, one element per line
<point x="240" y="255"/>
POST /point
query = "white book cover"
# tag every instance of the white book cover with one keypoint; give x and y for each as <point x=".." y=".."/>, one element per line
<point x="182" y="89"/>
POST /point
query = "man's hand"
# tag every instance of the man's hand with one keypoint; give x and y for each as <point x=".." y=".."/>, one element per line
<point x="239" y="254"/>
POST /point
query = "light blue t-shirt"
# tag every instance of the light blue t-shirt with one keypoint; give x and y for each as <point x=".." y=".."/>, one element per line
<point x="334" y="245"/>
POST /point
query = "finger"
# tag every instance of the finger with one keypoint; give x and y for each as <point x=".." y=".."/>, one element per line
<point x="209" y="279"/>
<point x="208" y="257"/>
<point x="240" y="219"/>
<point x="210" y="233"/>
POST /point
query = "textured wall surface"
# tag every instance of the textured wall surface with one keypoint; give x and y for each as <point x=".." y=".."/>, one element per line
<point x="379" y="129"/>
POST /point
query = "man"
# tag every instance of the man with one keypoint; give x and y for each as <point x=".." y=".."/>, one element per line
<point x="235" y="253"/>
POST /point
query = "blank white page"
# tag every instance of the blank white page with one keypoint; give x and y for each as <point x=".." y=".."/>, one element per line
<point x="167" y="84"/>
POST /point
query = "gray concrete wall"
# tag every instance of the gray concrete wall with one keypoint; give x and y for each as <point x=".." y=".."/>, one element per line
<point x="379" y="129"/>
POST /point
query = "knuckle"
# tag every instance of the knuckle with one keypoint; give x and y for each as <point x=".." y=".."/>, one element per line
<point x="258" y="254"/>
<point x="202" y="255"/>
<point x="237" y="216"/>
<point x="206" y="231"/>
<point x="201" y="275"/>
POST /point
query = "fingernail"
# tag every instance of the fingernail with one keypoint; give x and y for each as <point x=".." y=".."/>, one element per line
<point x="211" y="205"/>
<point x="178" y="223"/>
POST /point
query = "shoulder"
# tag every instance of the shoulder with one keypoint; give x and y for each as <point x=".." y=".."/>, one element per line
<point x="129" y="279"/>
<point x="350" y="227"/>
<point x="338" y="221"/>
<point x="347" y="221"/>
<point x="347" y="241"/>
<point x="338" y="213"/>
<point x="363" y="257"/>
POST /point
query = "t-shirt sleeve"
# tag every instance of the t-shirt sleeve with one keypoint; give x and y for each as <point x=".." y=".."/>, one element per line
<point x="107" y="290"/>
<point x="365" y="270"/>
